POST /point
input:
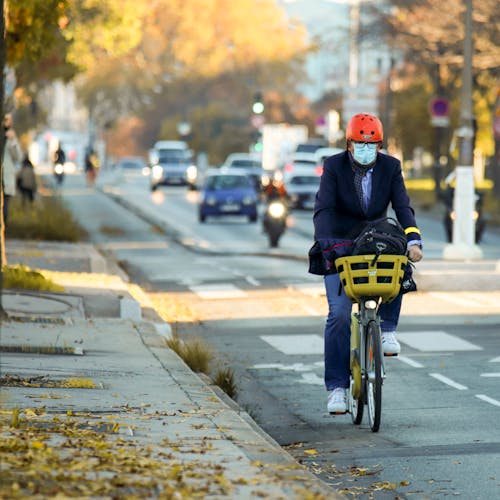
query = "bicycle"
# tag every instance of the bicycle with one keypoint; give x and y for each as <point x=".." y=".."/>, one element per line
<point x="368" y="280"/>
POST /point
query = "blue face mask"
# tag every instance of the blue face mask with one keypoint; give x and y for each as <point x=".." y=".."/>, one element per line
<point x="365" y="153"/>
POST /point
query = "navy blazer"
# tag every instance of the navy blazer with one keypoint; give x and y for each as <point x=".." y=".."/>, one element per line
<point x="338" y="210"/>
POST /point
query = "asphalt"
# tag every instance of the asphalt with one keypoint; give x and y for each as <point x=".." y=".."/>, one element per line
<point x="103" y="332"/>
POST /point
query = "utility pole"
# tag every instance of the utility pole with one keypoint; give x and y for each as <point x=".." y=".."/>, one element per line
<point x="3" y="60"/>
<point x="463" y="244"/>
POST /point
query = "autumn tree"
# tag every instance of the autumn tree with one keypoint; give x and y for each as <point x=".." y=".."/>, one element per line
<point x="430" y="34"/>
<point x="195" y="55"/>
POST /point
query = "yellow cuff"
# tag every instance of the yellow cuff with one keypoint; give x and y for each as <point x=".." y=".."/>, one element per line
<point x="409" y="230"/>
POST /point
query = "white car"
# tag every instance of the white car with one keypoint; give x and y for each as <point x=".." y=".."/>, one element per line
<point x="301" y="186"/>
<point x="323" y="153"/>
<point x="248" y="163"/>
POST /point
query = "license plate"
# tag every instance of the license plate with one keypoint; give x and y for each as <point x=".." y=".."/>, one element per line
<point x="229" y="207"/>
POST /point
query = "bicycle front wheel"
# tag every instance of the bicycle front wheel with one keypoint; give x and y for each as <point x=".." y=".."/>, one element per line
<point x="373" y="375"/>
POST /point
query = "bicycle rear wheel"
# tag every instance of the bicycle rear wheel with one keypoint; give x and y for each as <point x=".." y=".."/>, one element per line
<point x="374" y="375"/>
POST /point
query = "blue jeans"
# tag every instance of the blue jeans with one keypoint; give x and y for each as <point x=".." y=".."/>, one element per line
<point x="338" y="331"/>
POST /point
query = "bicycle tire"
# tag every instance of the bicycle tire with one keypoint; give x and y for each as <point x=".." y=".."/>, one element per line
<point x="356" y="389"/>
<point x="374" y="375"/>
<point x="356" y="406"/>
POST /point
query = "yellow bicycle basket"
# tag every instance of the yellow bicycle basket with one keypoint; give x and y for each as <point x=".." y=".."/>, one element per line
<point x="365" y="276"/>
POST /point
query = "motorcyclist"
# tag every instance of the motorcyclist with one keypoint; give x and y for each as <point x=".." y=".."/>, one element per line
<point x="275" y="215"/>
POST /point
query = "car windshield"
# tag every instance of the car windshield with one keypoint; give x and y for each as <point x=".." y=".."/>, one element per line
<point x="245" y="164"/>
<point x="303" y="180"/>
<point x="172" y="156"/>
<point x="218" y="182"/>
<point x="131" y="164"/>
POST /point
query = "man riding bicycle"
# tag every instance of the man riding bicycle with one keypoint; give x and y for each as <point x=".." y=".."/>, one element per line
<point x="357" y="186"/>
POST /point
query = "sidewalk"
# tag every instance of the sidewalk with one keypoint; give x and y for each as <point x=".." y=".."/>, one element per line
<point x="95" y="405"/>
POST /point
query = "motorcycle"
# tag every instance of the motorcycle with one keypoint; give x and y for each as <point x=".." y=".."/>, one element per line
<point x="59" y="173"/>
<point x="274" y="220"/>
<point x="477" y="215"/>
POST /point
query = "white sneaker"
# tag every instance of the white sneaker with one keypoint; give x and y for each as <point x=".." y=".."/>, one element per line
<point x="337" y="401"/>
<point x="390" y="345"/>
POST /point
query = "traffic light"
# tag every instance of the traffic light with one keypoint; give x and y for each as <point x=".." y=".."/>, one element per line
<point x="258" y="103"/>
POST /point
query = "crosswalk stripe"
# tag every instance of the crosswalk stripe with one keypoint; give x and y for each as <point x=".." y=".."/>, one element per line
<point x="436" y="341"/>
<point x="492" y="401"/>
<point x="295" y="344"/>
<point x="311" y="378"/>
<point x="312" y="289"/>
<point x="218" y="291"/>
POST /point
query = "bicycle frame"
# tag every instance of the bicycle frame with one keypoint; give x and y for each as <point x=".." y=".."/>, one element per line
<point x="368" y="280"/>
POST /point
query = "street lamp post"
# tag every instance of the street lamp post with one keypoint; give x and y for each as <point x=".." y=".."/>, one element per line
<point x="463" y="244"/>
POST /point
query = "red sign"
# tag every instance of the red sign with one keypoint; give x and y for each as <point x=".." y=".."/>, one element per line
<point x="257" y="121"/>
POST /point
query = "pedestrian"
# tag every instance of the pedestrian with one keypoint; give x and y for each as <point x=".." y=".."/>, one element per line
<point x="91" y="166"/>
<point x="357" y="186"/>
<point x="59" y="161"/>
<point x="12" y="155"/>
<point x="26" y="181"/>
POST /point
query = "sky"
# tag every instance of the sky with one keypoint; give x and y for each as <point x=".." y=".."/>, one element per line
<point x="329" y="22"/>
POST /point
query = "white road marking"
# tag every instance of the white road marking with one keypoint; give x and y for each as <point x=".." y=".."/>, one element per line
<point x="436" y="341"/>
<point x="490" y="375"/>
<point x="295" y="344"/>
<point x="311" y="378"/>
<point x="492" y="401"/>
<point x="410" y="361"/>
<point x="448" y="381"/>
<point x="296" y="367"/>
<point x="312" y="289"/>
<point x="252" y="280"/>
<point x="466" y="300"/>
<point x="495" y="360"/>
<point x="218" y="291"/>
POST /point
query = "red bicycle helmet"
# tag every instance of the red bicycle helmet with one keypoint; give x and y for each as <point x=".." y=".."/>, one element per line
<point x="364" y="128"/>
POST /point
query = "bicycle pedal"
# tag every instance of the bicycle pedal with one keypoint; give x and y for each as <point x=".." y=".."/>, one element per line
<point x="391" y="355"/>
<point x="338" y="412"/>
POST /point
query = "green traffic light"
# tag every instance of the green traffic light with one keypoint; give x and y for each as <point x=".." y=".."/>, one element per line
<point x="258" y="107"/>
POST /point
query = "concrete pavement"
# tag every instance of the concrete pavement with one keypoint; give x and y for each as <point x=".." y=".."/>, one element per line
<point x="93" y="354"/>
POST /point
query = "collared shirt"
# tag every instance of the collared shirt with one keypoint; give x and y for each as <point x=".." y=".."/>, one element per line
<point x="366" y="186"/>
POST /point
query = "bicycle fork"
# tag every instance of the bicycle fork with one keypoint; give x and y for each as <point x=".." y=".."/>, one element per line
<point x="365" y="316"/>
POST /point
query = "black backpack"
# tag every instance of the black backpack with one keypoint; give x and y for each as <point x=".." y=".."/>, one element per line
<point x="381" y="236"/>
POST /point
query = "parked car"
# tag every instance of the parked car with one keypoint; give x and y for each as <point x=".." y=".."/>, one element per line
<point x="301" y="186"/>
<point x="248" y="163"/>
<point x="172" y="163"/>
<point x="227" y="192"/>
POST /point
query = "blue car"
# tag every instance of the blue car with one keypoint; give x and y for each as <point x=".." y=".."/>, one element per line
<point x="227" y="193"/>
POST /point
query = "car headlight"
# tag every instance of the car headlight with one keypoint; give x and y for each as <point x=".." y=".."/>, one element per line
<point x="248" y="200"/>
<point x="475" y="215"/>
<point x="146" y="171"/>
<point x="59" y="168"/>
<point x="157" y="172"/>
<point x="192" y="173"/>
